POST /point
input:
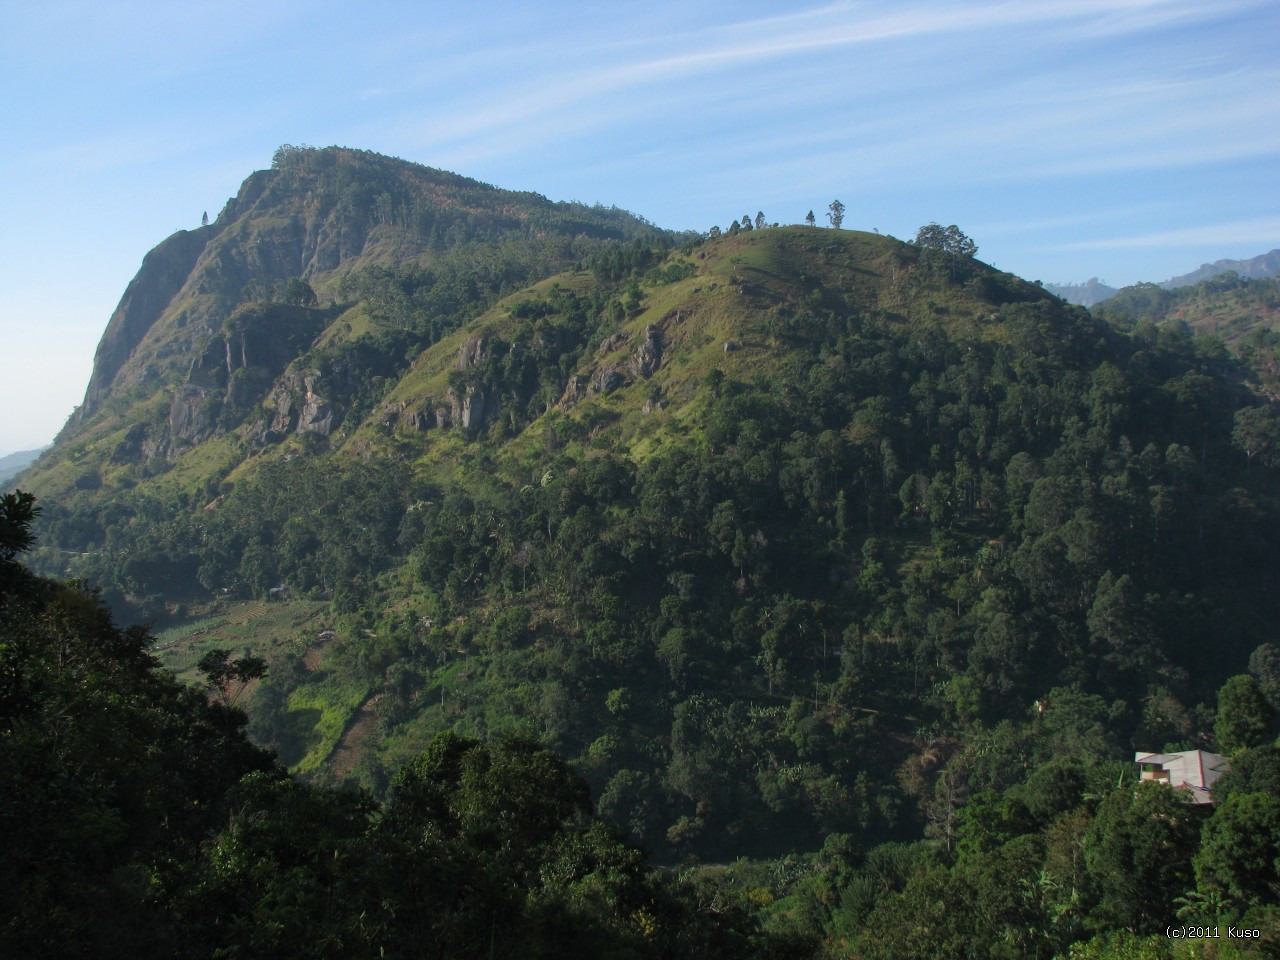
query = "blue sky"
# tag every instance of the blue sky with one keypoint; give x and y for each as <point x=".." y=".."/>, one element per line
<point x="1128" y="139"/>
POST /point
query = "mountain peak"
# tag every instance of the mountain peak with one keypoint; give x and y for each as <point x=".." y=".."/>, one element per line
<point x="320" y="215"/>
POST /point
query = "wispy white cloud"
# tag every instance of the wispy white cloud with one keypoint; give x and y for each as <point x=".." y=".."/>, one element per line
<point x="138" y="147"/>
<point x="845" y="24"/>
<point x="137" y="40"/>
<point x="1144" y="15"/>
<point x="1260" y="230"/>
<point x="560" y="101"/>
<point x="102" y="153"/>
<point x="1024" y="226"/>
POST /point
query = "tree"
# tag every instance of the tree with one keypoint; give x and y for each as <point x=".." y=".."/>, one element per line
<point x="285" y="155"/>
<point x="294" y="863"/>
<point x="1257" y="433"/>
<point x="298" y="291"/>
<point x="1253" y="771"/>
<point x="1244" y="716"/>
<point x="1240" y="849"/>
<point x="947" y="239"/>
<point x="835" y="213"/>
<point x="18" y="511"/>
<point x="512" y="795"/>
<point x="204" y="219"/>
<point x="746" y="221"/>
<point x="760" y="220"/>
<point x="1122" y="945"/>
<point x="1138" y="855"/>
<point x="1264" y="664"/>
<point x="230" y="677"/>
<point x="810" y="219"/>
<point x="112" y="773"/>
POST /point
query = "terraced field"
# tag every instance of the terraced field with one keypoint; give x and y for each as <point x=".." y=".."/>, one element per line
<point x="257" y="626"/>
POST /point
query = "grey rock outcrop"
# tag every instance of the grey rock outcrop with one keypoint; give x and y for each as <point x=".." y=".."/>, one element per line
<point x="607" y="380"/>
<point x="472" y="353"/>
<point x="648" y="355"/>
<point x="574" y="392"/>
<point x="471" y="410"/>
<point x="316" y="416"/>
<point x="297" y="406"/>
<point x="191" y="414"/>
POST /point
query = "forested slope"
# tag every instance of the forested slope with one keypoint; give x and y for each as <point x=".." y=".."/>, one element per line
<point x="138" y="821"/>
<point x="1241" y="311"/>
<point x="789" y="540"/>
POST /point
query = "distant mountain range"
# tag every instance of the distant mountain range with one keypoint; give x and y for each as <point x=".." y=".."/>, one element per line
<point x="12" y="464"/>
<point x="1266" y="265"/>
<point x="1085" y="294"/>
<point x="1095" y="291"/>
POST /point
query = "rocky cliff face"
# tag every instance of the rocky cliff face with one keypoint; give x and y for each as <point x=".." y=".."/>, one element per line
<point x="236" y="369"/>
<point x="213" y="335"/>
<point x="470" y="407"/>
<point x="318" y="215"/>
<point x="648" y="355"/>
<point x="275" y="229"/>
<point x="298" y="406"/>
<point x="164" y="272"/>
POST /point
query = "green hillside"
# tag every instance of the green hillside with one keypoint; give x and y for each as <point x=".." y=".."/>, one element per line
<point x="792" y="540"/>
<point x="1243" y="312"/>
<point x="320" y="227"/>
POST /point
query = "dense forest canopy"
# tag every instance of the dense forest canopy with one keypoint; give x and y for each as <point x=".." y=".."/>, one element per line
<point x="139" y="821"/>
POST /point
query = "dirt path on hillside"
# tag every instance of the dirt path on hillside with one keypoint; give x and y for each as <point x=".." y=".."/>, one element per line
<point x="365" y="725"/>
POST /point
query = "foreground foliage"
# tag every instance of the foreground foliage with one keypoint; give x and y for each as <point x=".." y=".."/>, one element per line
<point x="138" y="821"/>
